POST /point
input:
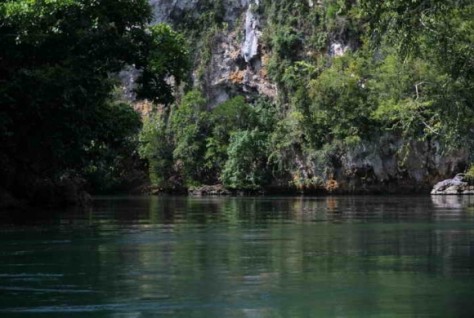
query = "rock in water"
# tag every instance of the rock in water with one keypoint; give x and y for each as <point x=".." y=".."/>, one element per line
<point x="456" y="185"/>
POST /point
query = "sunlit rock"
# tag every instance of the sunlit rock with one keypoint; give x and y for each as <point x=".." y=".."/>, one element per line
<point x="250" y="45"/>
<point x="456" y="185"/>
<point x="338" y="49"/>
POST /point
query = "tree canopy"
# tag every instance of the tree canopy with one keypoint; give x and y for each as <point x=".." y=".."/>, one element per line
<point x="58" y="66"/>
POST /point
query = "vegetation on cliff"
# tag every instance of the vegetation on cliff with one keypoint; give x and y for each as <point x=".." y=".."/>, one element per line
<point x="403" y="74"/>
<point x="194" y="146"/>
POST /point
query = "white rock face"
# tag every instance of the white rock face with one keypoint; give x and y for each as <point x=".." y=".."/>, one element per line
<point x="338" y="49"/>
<point x="252" y="34"/>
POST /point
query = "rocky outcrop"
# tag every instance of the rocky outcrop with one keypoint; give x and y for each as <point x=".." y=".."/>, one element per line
<point x="391" y="164"/>
<point x="456" y="185"/>
<point x="388" y="164"/>
<point x="237" y="65"/>
<point x="209" y="190"/>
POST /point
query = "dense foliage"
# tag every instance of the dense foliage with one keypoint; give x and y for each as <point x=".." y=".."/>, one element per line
<point x="194" y="145"/>
<point x="60" y="116"/>
<point x="402" y="74"/>
<point x="406" y="74"/>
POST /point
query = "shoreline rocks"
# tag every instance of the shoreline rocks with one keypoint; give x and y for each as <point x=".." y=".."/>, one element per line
<point x="209" y="190"/>
<point x="454" y="186"/>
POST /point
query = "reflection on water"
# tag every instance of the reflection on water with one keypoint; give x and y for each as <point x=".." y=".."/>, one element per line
<point x="453" y="201"/>
<point x="243" y="257"/>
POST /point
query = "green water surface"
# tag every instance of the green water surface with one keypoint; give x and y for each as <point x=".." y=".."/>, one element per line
<point x="242" y="257"/>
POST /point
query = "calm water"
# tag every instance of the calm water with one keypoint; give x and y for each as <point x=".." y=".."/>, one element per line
<point x="242" y="257"/>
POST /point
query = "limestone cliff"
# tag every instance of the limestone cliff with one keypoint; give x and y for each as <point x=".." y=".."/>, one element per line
<point x="231" y="57"/>
<point x="236" y="63"/>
